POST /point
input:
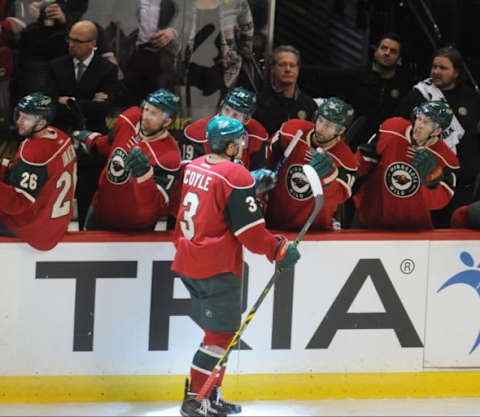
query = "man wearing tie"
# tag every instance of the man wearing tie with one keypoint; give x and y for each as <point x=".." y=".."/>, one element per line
<point x="83" y="80"/>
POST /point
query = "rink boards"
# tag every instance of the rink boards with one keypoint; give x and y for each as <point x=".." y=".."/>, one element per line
<point x="363" y="314"/>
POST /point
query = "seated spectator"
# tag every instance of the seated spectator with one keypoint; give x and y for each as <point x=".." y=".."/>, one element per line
<point x="84" y="85"/>
<point x="375" y="90"/>
<point x="406" y="170"/>
<point x="238" y="104"/>
<point x="282" y="99"/>
<point x="447" y="83"/>
<point x="290" y="203"/>
<point x="43" y="40"/>
<point x="38" y="186"/>
<point x="143" y="160"/>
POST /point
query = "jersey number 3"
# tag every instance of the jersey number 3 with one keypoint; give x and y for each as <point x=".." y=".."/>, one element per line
<point x="191" y="202"/>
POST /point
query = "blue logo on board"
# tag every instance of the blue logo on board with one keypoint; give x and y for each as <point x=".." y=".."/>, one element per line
<point x="470" y="277"/>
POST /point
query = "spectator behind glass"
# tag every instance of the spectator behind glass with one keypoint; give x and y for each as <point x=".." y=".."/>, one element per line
<point x="10" y="30"/>
<point x="92" y="81"/>
<point x="282" y="99"/>
<point x="211" y="36"/>
<point x="43" y="40"/>
<point x="38" y="185"/>
<point x="152" y="65"/>
<point x="447" y="82"/>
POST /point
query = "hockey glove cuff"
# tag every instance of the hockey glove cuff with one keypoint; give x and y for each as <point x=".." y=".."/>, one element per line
<point x="369" y="152"/>
<point x="287" y="254"/>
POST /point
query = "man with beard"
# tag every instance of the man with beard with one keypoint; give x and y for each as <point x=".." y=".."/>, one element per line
<point x="447" y="83"/>
<point x="291" y="201"/>
<point x="143" y="160"/>
<point x="37" y="186"/>
<point x="406" y="170"/>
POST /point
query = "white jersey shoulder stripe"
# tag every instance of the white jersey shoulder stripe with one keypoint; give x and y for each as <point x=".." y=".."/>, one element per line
<point x="67" y="143"/>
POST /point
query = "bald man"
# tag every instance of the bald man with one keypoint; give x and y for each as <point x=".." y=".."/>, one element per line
<point x="92" y="81"/>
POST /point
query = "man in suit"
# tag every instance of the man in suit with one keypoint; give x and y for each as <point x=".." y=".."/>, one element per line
<point x="85" y="85"/>
<point x="84" y="76"/>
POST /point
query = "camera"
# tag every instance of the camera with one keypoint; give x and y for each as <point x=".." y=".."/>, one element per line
<point x="42" y="6"/>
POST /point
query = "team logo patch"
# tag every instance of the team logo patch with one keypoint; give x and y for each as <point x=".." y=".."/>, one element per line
<point x="402" y="180"/>
<point x="297" y="184"/>
<point x="116" y="172"/>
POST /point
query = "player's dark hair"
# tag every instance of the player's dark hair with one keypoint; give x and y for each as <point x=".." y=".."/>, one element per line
<point x="393" y="36"/>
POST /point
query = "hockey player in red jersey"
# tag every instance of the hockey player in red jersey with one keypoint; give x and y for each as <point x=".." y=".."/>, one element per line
<point x="143" y="161"/>
<point x="238" y="104"/>
<point x="407" y="170"/>
<point x="218" y="215"/>
<point x="291" y="202"/>
<point x="38" y="186"/>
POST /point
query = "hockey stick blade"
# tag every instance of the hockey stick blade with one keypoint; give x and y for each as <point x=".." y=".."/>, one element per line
<point x="288" y="151"/>
<point x="317" y="192"/>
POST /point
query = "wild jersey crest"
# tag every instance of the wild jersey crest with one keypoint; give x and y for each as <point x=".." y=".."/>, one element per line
<point x="402" y="180"/>
<point x="116" y="172"/>
<point x="297" y="184"/>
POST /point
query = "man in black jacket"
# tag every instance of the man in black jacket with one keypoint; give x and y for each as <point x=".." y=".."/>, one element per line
<point x="85" y="85"/>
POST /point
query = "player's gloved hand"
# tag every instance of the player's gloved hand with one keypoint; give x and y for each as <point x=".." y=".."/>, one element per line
<point x="137" y="162"/>
<point x="424" y="162"/>
<point x="322" y="163"/>
<point x="86" y="137"/>
<point x="265" y="180"/>
<point x="369" y="151"/>
<point x="291" y="255"/>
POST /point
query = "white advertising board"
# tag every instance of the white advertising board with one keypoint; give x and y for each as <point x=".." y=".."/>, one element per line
<point x="453" y="313"/>
<point x="114" y="308"/>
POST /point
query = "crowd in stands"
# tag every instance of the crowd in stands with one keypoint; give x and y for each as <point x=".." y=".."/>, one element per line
<point x="391" y="151"/>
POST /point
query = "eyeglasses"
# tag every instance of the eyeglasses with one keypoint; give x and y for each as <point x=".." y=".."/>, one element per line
<point x="68" y="39"/>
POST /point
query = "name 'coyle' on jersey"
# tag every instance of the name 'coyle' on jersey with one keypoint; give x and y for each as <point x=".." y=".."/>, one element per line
<point x="123" y="201"/>
<point x="218" y="214"/>
<point x="37" y="198"/>
<point x="291" y="202"/>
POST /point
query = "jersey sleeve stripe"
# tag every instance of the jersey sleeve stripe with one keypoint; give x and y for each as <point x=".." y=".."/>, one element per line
<point x="249" y="226"/>
<point x="164" y="193"/>
<point x="130" y="123"/>
<point x="28" y="196"/>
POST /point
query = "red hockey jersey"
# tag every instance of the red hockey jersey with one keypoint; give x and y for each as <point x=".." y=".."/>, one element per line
<point x="195" y="144"/>
<point x="291" y="202"/>
<point x="37" y="196"/>
<point x="125" y="202"/>
<point x="391" y="194"/>
<point x="217" y="215"/>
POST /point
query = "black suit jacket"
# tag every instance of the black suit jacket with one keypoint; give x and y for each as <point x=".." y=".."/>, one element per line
<point x="100" y="76"/>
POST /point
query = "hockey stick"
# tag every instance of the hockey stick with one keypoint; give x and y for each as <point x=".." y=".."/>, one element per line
<point x="317" y="192"/>
<point x="288" y="151"/>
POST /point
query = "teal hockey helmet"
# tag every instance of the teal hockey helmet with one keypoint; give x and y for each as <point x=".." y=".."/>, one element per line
<point x="223" y="130"/>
